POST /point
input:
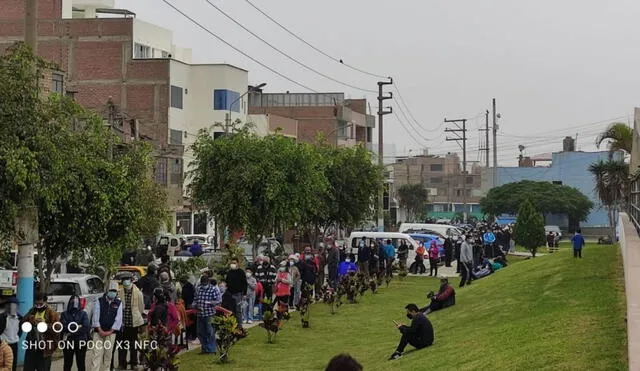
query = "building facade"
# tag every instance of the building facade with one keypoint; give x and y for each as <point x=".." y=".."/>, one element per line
<point x="130" y="71"/>
<point x="343" y="122"/>
<point x="567" y="168"/>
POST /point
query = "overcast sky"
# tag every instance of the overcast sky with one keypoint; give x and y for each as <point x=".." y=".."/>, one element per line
<point x="556" y="67"/>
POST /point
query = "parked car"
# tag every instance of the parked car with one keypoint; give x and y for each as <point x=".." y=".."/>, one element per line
<point x="206" y="241"/>
<point x="87" y="286"/>
<point x="8" y="282"/>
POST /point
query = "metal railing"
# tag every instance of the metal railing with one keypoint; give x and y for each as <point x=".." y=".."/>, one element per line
<point x="634" y="203"/>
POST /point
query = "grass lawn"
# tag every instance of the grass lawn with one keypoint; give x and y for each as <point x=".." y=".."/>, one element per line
<point x="551" y="312"/>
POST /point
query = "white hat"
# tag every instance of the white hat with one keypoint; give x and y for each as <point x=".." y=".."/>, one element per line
<point x="113" y="285"/>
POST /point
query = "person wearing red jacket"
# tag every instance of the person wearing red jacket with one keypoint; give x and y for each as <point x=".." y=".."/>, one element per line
<point x="445" y="297"/>
<point x="434" y="255"/>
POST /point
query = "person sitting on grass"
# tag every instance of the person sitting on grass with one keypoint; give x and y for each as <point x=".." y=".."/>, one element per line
<point x="445" y="297"/>
<point x="419" y="334"/>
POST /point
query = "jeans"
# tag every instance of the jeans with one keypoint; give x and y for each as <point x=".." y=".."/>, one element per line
<point x="577" y="253"/>
<point x="465" y="273"/>
<point x="410" y="339"/>
<point x="238" y="299"/>
<point x="34" y="360"/>
<point x="248" y="307"/>
<point x="80" y="354"/>
<point x="433" y="267"/>
<point x="206" y="335"/>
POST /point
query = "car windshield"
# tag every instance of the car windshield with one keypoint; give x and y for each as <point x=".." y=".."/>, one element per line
<point x="63" y="289"/>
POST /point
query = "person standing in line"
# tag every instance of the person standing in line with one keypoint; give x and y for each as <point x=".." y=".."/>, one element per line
<point x="10" y="326"/>
<point x="456" y="253"/>
<point x="448" y="251"/>
<point x="577" y="241"/>
<point x="237" y="287"/>
<point x="296" y="281"/>
<point x="133" y="309"/>
<point x="250" y="300"/>
<point x="390" y="255"/>
<point x="321" y="262"/>
<point x="364" y="255"/>
<point x="333" y="261"/>
<point x="106" y="321"/>
<point x="147" y="284"/>
<point x="40" y="359"/>
<point x="208" y="296"/>
<point x="420" y="253"/>
<point x="466" y="262"/>
<point x="403" y="254"/>
<point x="434" y="255"/>
<point x="78" y="334"/>
<point x="283" y="288"/>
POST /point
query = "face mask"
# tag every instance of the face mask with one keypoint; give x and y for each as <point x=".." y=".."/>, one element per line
<point x="233" y="266"/>
<point x="348" y="260"/>
<point x="248" y="274"/>
<point x="291" y="263"/>
<point x="111" y="295"/>
<point x="13" y="309"/>
<point x="409" y="316"/>
<point x="75" y="303"/>
<point x="308" y="257"/>
<point x="126" y="283"/>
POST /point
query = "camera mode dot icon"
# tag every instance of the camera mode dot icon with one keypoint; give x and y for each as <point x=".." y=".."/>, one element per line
<point x="42" y="327"/>
<point x="27" y="327"/>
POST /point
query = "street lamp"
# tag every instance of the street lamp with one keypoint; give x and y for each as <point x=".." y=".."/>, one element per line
<point x="251" y="89"/>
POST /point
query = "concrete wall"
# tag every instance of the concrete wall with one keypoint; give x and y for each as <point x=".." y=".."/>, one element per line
<point x="630" y="249"/>
<point x="571" y="168"/>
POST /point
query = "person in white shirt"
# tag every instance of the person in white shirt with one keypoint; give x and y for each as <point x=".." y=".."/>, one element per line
<point x="106" y="321"/>
<point x="10" y="327"/>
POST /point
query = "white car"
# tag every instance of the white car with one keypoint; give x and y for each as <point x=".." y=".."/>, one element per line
<point x="87" y="286"/>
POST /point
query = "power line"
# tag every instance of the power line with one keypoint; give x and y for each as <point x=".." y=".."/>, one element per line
<point x="402" y="101"/>
<point x="312" y="46"/>
<point x="238" y="50"/>
<point x="411" y="124"/>
<point x="284" y="53"/>
<point x="407" y="130"/>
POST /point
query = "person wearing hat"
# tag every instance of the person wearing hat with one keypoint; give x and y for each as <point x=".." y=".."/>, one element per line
<point x="106" y="321"/>
<point x="10" y="327"/>
<point x="445" y="297"/>
<point x="147" y="284"/>
<point x="77" y="334"/>
<point x="132" y="310"/>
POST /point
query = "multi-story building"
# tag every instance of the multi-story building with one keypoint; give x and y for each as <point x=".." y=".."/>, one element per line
<point x="442" y="176"/>
<point x="343" y="122"/>
<point x="110" y="56"/>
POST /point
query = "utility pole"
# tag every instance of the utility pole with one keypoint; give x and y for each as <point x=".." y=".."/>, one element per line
<point x="495" y="144"/>
<point x="486" y="146"/>
<point x="461" y="138"/>
<point x="381" y="114"/>
<point x="27" y="222"/>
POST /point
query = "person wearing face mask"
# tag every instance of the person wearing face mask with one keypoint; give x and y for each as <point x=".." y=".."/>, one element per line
<point x="10" y="323"/>
<point x="250" y="298"/>
<point x="168" y="286"/>
<point x="296" y="281"/>
<point x="419" y="334"/>
<point x="333" y="261"/>
<point x="79" y="336"/>
<point x="466" y="261"/>
<point x="38" y="359"/>
<point x="237" y="287"/>
<point x="106" y="321"/>
<point x="132" y="321"/>
<point x="207" y="297"/>
<point x="283" y="287"/>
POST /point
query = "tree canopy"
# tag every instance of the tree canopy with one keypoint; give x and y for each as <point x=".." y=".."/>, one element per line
<point x="93" y="194"/>
<point x="414" y="198"/>
<point x="619" y="137"/>
<point x="612" y="185"/>
<point x="529" y="230"/>
<point x="261" y="183"/>
<point x="547" y="198"/>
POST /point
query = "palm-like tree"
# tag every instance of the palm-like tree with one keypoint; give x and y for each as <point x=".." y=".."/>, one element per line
<point x="612" y="184"/>
<point x="619" y="137"/>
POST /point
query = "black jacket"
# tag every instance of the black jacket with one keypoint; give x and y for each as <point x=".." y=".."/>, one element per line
<point x="78" y="316"/>
<point x="307" y="271"/>
<point x="333" y="258"/>
<point x="188" y="293"/>
<point x="420" y="331"/>
<point x="236" y="281"/>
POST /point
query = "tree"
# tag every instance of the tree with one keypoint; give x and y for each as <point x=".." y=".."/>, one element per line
<point x="413" y="197"/>
<point x="256" y="184"/>
<point x="58" y="157"/>
<point x="529" y="230"/>
<point x="619" y="137"/>
<point x="612" y="185"/>
<point x="353" y="181"/>
<point x="547" y="197"/>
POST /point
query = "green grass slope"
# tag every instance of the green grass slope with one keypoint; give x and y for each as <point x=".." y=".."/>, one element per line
<point x="551" y="312"/>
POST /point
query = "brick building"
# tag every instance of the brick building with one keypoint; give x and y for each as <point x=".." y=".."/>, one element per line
<point x="109" y="58"/>
<point x="343" y="122"/>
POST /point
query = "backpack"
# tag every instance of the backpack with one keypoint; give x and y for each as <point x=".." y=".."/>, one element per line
<point x="159" y="315"/>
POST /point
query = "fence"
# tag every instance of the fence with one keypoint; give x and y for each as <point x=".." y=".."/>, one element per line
<point x="634" y="204"/>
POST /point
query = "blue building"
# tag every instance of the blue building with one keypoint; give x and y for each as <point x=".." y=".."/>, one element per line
<point x="567" y="168"/>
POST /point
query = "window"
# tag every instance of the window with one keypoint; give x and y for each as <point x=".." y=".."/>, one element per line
<point x="63" y="289"/>
<point x="95" y="286"/>
<point x="436" y="167"/>
<point x="558" y="182"/>
<point x="176" y="97"/>
<point x="226" y="100"/>
<point x="175" y="137"/>
<point x="57" y="83"/>
<point x="176" y="171"/>
<point x="469" y="180"/>
<point x="161" y="171"/>
<point x="437" y="179"/>
<point x="141" y="51"/>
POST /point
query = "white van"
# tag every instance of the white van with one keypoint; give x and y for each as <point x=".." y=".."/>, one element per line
<point x="355" y="237"/>
<point x="443" y="229"/>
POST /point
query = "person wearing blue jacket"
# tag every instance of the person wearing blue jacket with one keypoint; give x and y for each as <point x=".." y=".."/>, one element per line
<point x="75" y="326"/>
<point x="347" y="266"/>
<point x="390" y="255"/>
<point x="577" y="241"/>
